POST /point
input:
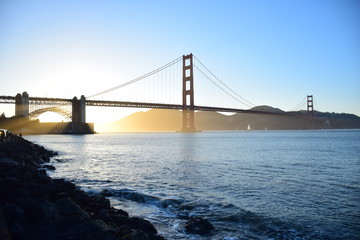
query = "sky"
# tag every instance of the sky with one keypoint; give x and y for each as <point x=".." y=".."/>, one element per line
<point x="269" y="52"/>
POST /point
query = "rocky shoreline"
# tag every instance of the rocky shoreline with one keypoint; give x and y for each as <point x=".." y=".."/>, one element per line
<point x="34" y="206"/>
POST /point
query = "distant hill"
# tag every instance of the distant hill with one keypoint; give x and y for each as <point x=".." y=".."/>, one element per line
<point x="156" y="120"/>
<point x="265" y="108"/>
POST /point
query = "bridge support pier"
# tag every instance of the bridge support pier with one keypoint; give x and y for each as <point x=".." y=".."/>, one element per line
<point x="22" y="105"/>
<point x="188" y="95"/>
<point x="78" y="110"/>
<point x="78" y="124"/>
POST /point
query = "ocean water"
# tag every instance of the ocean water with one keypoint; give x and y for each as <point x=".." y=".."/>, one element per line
<point x="248" y="184"/>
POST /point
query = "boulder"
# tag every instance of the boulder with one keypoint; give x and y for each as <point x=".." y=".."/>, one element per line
<point x="140" y="235"/>
<point x="114" y="211"/>
<point x="49" y="167"/>
<point x="198" y="226"/>
<point x="92" y="229"/>
<point x="67" y="207"/>
<point x="143" y="225"/>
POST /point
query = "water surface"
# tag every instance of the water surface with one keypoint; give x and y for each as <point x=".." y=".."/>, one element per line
<point x="248" y="184"/>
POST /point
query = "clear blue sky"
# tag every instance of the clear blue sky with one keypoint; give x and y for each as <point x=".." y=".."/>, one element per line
<point x="270" y="52"/>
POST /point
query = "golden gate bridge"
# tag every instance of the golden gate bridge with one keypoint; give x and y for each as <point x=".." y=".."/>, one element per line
<point x="171" y="86"/>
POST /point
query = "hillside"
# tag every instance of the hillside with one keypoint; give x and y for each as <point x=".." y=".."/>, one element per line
<point x="156" y="120"/>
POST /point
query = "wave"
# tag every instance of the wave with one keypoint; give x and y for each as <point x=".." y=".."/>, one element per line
<point x="230" y="221"/>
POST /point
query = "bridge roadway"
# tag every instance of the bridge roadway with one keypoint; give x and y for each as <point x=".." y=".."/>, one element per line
<point x="104" y="103"/>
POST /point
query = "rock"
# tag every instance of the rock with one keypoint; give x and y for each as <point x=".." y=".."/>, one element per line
<point x="107" y="193"/>
<point x="67" y="186"/>
<point x="34" y="206"/>
<point x="92" y="229"/>
<point x="198" y="226"/>
<point x="142" y="224"/>
<point x="140" y="235"/>
<point x="125" y="232"/>
<point x="16" y="230"/>
<point x="41" y="230"/>
<point x="4" y="230"/>
<point x="81" y="197"/>
<point x="20" y="173"/>
<point x="120" y="220"/>
<point x="114" y="211"/>
<point x="45" y="158"/>
<point x="49" y="167"/>
<point x="13" y="213"/>
<point x="64" y="224"/>
<point x="97" y="203"/>
<point x="41" y="177"/>
<point x="67" y="207"/>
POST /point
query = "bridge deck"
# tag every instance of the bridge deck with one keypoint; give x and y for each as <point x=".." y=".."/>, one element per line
<point x="103" y="103"/>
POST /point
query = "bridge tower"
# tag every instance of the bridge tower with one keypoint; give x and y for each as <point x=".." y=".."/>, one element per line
<point x="188" y="94"/>
<point x="310" y="105"/>
<point x="310" y="110"/>
<point x="22" y="105"/>
<point x="78" y="110"/>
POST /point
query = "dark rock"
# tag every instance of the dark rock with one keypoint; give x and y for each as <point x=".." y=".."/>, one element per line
<point x="125" y="232"/>
<point x="16" y="230"/>
<point x="142" y="224"/>
<point x="67" y="207"/>
<point x="4" y="230"/>
<point x="92" y="229"/>
<point x="198" y="226"/>
<point x="140" y="235"/>
<point x="41" y="230"/>
<point x="38" y="190"/>
<point x="81" y="197"/>
<point x="41" y="177"/>
<point x="67" y="186"/>
<point x="64" y="224"/>
<point x="107" y="193"/>
<point x="49" y="167"/>
<point x="34" y="206"/>
<point x="45" y="158"/>
<point x="120" y="220"/>
<point x="97" y="203"/>
<point x="103" y="215"/>
<point x="49" y="209"/>
<point x="20" y="173"/>
<point x="35" y="212"/>
<point x="13" y="213"/>
<point x="58" y="180"/>
<point x="114" y="211"/>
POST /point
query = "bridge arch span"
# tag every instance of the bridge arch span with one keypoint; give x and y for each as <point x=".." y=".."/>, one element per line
<point x="65" y="114"/>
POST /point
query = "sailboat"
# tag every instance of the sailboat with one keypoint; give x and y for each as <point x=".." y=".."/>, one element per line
<point x="248" y="128"/>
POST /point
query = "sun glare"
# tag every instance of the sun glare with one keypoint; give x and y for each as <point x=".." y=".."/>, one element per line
<point x="51" y="117"/>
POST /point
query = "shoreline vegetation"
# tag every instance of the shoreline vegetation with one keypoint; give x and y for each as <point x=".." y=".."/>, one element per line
<point x="35" y="206"/>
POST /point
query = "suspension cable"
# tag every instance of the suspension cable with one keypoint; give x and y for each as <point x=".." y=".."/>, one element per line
<point x="137" y="79"/>
<point x="249" y="103"/>
<point x="298" y="105"/>
<point x="221" y="87"/>
<point x="317" y="107"/>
